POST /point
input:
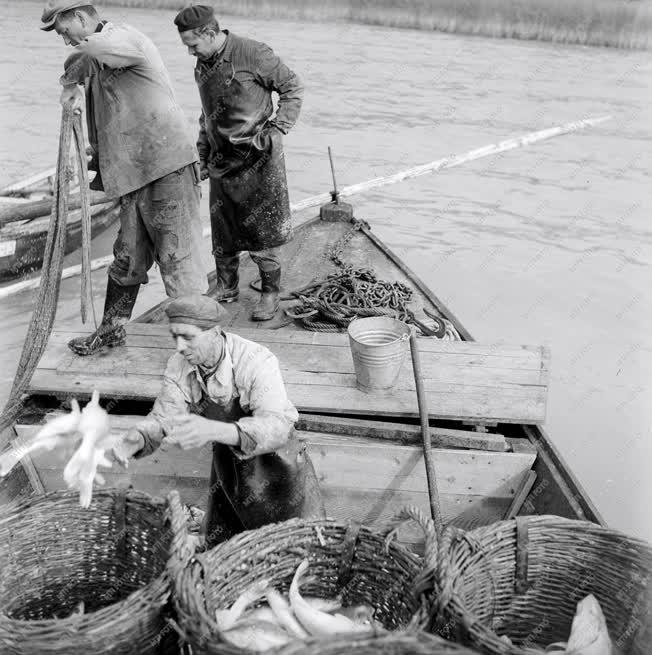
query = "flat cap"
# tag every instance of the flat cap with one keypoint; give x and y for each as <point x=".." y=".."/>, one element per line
<point x="54" y="7"/>
<point x="193" y="17"/>
<point x="195" y="309"/>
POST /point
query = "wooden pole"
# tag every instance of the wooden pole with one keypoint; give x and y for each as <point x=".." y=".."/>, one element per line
<point x="431" y="475"/>
<point x="315" y="201"/>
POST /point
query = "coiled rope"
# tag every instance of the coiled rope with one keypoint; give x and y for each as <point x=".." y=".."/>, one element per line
<point x="329" y="305"/>
<point x="40" y="326"/>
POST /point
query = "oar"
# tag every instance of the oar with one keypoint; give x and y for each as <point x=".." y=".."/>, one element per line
<point x="314" y="201"/>
<point x="431" y="475"/>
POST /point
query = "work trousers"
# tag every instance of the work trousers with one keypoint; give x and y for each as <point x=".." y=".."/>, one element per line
<point x="160" y="222"/>
<point x="267" y="260"/>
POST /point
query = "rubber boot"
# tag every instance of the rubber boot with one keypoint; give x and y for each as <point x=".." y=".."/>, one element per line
<point x="228" y="278"/>
<point x="270" y="283"/>
<point x="118" y="305"/>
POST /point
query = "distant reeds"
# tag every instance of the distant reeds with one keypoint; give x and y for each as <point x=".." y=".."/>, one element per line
<point x="614" y="23"/>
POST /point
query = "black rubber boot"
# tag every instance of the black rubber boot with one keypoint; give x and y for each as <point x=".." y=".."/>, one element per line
<point x="118" y="305"/>
<point x="227" y="280"/>
<point x="267" y="306"/>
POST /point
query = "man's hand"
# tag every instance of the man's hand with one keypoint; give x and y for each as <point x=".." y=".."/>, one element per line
<point x="73" y="97"/>
<point x="128" y="446"/>
<point x="193" y="431"/>
<point x="203" y="170"/>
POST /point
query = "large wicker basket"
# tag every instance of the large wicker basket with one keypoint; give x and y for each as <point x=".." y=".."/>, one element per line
<point x="347" y="558"/>
<point x="392" y="643"/>
<point x="523" y="578"/>
<point x="112" y="557"/>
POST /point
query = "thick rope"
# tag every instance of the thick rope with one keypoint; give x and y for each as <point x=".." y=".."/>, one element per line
<point x="42" y="320"/>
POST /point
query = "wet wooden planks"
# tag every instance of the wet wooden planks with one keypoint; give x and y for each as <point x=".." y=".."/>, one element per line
<point x="369" y="480"/>
<point x="463" y="380"/>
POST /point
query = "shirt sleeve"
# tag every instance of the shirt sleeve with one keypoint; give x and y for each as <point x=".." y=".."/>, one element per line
<point x="203" y="145"/>
<point x="274" y="75"/>
<point x="172" y="401"/>
<point x="111" y="48"/>
<point x="272" y="414"/>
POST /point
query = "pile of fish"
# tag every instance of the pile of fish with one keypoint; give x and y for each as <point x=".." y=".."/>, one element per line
<point x="90" y="428"/>
<point x="282" y="620"/>
<point x="589" y="634"/>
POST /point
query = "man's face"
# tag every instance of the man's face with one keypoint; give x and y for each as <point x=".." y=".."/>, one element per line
<point x="201" y="46"/>
<point x="72" y="29"/>
<point x="195" y="344"/>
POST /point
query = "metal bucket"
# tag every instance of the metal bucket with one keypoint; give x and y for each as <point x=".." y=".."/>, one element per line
<point x="378" y="346"/>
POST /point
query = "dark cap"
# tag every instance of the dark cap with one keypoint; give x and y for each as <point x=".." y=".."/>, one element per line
<point x="195" y="309"/>
<point x="193" y="17"/>
<point x="54" y="7"/>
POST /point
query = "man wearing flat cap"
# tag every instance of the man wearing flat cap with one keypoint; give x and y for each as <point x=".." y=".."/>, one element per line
<point x="143" y="153"/>
<point x="241" y="150"/>
<point x="225" y="391"/>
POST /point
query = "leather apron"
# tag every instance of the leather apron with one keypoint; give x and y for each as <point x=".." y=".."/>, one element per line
<point x="248" y="493"/>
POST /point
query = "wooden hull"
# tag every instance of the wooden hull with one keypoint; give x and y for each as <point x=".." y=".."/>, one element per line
<point x="367" y="470"/>
<point x="22" y="244"/>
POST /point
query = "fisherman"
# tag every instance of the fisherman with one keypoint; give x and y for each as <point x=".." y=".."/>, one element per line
<point x="143" y="153"/>
<point x="241" y="150"/>
<point x="223" y="390"/>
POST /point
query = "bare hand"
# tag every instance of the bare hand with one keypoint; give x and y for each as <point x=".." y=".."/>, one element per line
<point x="128" y="446"/>
<point x="193" y="431"/>
<point x="73" y="97"/>
<point x="203" y="172"/>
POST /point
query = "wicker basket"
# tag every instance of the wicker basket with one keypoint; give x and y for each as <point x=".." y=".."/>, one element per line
<point x="523" y="578"/>
<point x="392" y="643"/>
<point x="112" y="556"/>
<point x="347" y="558"/>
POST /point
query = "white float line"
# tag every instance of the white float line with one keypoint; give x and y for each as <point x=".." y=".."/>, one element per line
<point x="314" y="201"/>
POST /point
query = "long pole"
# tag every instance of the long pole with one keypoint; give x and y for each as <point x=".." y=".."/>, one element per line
<point x="431" y="475"/>
<point x="432" y="167"/>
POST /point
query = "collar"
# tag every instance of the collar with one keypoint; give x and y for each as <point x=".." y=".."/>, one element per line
<point x="100" y="25"/>
<point x="224" y="54"/>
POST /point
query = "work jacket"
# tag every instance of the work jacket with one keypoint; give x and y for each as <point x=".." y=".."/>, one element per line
<point x="236" y="88"/>
<point x="135" y="125"/>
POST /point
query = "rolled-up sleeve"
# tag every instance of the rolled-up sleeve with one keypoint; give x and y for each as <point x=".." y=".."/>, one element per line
<point x="274" y="75"/>
<point x="272" y="414"/>
<point x="171" y="402"/>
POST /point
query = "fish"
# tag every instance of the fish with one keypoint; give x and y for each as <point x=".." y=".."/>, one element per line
<point x="589" y="635"/>
<point x="81" y="470"/>
<point x="257" y="635"/>
<point x="315" y="621"/>
<point x="60" y="431"/>
<point x="324" y="604"/>
<point x="283" y="614"/>
<point x="262" y="613"/>
<point x="226" y="619"/>
<point x="360" y="614"/>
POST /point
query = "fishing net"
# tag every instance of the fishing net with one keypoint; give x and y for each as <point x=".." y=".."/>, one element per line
<point x="40" y="326"/>
<point x="523" y="578"/>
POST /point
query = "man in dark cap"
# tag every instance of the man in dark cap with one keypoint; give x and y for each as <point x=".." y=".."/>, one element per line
<point x="241" y="150"/>
<point x="143" y="153"/>
<point x="226" y="391"/>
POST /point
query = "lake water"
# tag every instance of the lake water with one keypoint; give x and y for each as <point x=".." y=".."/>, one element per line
<point x="549" y="244"/>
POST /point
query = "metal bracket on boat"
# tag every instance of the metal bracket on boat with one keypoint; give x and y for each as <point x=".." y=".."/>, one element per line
<point x="335" y="210"/>
<point x="521" y="584"/>
<point x="349" y="543"/>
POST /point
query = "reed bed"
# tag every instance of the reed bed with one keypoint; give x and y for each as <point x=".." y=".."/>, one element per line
<point x="613" y="23"/>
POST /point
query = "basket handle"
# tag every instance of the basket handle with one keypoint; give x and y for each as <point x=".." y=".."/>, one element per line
<point x="181" y="550"/>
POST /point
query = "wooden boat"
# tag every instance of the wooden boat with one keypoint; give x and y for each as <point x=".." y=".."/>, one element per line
<point x="25" y="217"/>
<point x="487" y="402"/>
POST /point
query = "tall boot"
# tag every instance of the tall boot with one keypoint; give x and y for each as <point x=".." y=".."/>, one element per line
<point x="227" y="278"/>
<point x="118" y="305"/>
<point x="270" y="283"/>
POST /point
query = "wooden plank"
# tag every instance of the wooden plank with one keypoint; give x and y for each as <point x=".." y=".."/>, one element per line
<point x="521" y="495"/>
<point x="401" y="433"/>
<point x="340" y="463"/>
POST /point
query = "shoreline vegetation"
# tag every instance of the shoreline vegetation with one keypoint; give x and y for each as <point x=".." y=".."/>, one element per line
<point x="608" y="23"/>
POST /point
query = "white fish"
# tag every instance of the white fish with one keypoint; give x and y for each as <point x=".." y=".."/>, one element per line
<point x="81" y="470"/>
<point x="324" y="604"/>
<point x="226" y="619"/>
<point x="257" y="636"/>
<point x="283" y="614"/>
<point x="60" y="431"/>
<point x="262" y="613"/>
<point x="589" y="635"/>
<point x="314" y="621"/>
